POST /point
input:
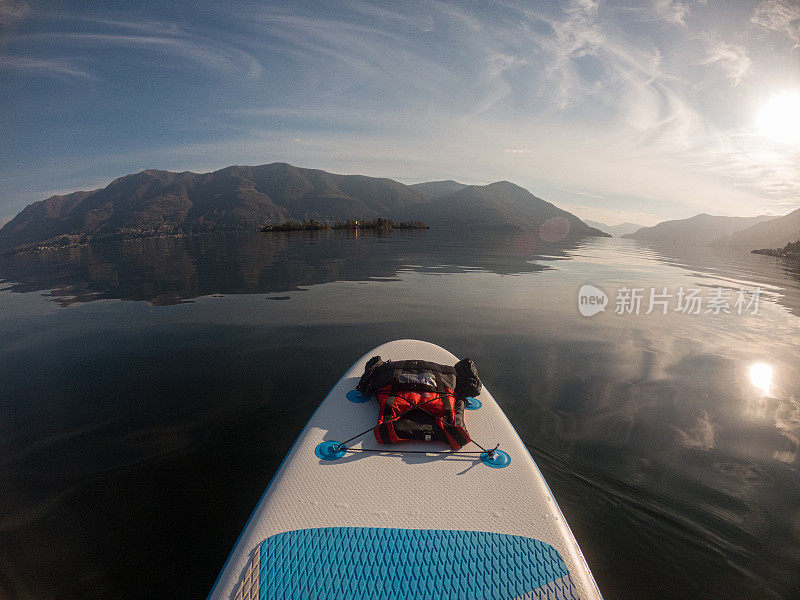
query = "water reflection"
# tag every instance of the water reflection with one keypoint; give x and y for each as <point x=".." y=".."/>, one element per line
<point x="671" y="441"/>
<point x="777" y="277"/>
<point x="170" y="270"/>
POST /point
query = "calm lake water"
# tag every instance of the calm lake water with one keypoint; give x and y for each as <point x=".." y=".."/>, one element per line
<point x="149" y="389"/>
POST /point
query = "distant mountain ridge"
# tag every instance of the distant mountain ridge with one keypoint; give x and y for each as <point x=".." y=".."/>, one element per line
<point x="437" y="189"/>
<point x="615" y="230"/>
<point x="701" y="229"/>
<point x="155" y="201"/>
<point x="776" y="232"/>
<point x="501" y="204"/>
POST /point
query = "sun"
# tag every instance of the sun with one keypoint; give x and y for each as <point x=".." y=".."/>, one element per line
<point x="779" y="118"/>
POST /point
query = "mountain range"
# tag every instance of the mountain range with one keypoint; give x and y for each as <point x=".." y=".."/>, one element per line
<point x="237" y="197"/>
<point x="247" y="197"/>
<point x="614" y="230"/>
<point x="773" y="233"/>
<point x="437" y="189"/>
<point x="700" y="230"/>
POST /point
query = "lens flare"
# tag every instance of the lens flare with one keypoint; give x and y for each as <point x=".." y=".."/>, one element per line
<point x="761" y="377"/>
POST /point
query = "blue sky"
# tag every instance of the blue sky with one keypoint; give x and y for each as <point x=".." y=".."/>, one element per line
<point x="619" y="111"/>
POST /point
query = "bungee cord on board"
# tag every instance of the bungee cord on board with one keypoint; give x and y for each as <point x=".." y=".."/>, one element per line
<point x="342" y="446"/>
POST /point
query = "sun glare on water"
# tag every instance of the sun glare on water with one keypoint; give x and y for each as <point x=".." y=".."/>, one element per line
<point x="761" y="377"/>
<point x="779" y="118"/>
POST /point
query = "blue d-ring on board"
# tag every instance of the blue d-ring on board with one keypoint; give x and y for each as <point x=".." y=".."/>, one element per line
<point x="330" y="450"/>
<point x="357" y="397"/>
<point x="497" y="459"/>
<point x="472" y="403"/>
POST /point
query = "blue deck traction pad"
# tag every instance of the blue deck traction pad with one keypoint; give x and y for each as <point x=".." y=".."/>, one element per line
<point x="370" y="563"/>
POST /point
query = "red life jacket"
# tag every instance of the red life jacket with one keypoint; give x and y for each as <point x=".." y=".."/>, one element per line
<point x="418" y="401"/>
<point x="406" y="416"/>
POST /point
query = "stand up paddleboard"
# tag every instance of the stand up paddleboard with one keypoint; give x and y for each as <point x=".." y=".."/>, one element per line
<point x="367" y="521"/>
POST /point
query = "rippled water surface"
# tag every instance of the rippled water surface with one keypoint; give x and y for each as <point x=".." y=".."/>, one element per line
<point x="149" y="390"/>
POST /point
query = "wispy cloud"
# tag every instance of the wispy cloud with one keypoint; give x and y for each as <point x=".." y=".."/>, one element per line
<point x="153" y="37"/>
<point x="417" y="19"/>
<point x="55" y="68"/>
<point x="731" y="58"/>
<point x="373" y="52"/>
<point x="574" y="36"/>
<point x="779" y="15"/>
<point x="673" y="11"/>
